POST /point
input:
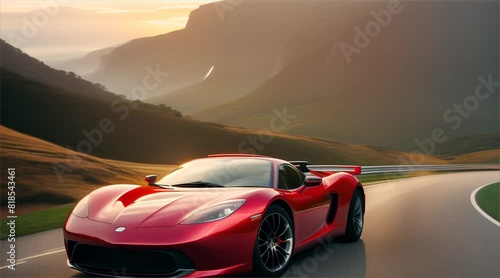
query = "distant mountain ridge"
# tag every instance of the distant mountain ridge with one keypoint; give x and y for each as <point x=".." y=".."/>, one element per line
<point x="15" y="61"/>
<point x="84" y="65"/>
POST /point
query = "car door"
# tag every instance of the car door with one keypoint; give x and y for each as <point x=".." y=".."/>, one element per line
<point x="311" y="204"/>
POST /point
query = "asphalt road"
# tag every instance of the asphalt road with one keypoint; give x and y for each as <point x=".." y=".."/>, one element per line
<point x="424" y="226"/>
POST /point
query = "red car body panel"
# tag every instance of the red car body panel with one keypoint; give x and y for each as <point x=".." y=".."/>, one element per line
<point x="153" y="219"/>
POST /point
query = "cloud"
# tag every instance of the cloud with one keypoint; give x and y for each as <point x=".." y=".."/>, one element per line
<point x="117" y="11"/>
<point x="173" y="21"/>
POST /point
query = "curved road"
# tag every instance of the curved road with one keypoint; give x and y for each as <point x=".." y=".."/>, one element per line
<point x="423" y="226"/>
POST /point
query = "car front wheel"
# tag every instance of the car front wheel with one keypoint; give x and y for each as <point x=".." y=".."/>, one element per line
<point x="274" y="244"/>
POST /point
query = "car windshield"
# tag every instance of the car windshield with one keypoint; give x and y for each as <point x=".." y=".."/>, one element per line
<point x="221" y="172"/>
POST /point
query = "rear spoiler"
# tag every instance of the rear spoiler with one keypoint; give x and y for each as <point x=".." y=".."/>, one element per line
<point x="325" y="170"/>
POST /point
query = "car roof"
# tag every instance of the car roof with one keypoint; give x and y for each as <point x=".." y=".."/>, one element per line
<point x="248" y="156"/>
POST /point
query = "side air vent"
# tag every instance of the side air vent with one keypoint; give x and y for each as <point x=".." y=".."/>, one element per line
<point x="334" y="204"/>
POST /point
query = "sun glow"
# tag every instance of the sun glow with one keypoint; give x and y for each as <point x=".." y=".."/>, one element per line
<point x="99" y="24"/>
<point x="127" y="5"/>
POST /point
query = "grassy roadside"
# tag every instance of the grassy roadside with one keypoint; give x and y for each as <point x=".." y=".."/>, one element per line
<point x="38" y="221"/>
<point x="54" y="218"/>
<point x="488" y="199"/>
<point x="378" y="178"/>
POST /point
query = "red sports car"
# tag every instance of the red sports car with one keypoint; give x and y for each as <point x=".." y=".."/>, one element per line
<point x="221" y="215"/>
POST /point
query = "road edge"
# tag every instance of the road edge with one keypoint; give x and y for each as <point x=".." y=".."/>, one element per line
<point x="478" y="208"/>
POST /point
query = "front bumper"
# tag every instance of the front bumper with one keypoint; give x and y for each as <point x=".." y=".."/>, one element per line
<point x="128" y="262"/>
<point x="210" y="249"/>
<point x="124" y="273"/>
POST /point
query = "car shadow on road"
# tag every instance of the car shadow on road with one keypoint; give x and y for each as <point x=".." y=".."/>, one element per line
<point x="330" y="259"/>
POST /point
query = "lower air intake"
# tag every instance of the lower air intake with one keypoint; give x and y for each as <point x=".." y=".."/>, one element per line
<point x="130" y="262"/>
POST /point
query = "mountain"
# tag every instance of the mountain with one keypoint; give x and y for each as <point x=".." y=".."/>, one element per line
<point x="389" y="86"/>
<point x="83" y="65"/>
<point x="15" y="61"/>
<point x="210" y="92"/>
<point x="239" y="52"/>
<point x="134" y="131"/>
<point x="416" y="74"/>
<point x="121" y="132"/>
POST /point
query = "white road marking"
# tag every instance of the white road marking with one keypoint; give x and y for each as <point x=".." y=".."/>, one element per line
<point x="476" y="206"/>
<point x="17" y="263"/>
<point x="55" y="249"/>
<point x="24" y="260"/>
<point x="44" y="254"/>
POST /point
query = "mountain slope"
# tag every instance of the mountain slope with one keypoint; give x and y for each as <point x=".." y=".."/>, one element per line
<point x="120" y="131"/>
<point x="15" y="61"/>
<point x="35" y="161"/>
<point x="488" y="156"/>
<point x="469" y="144"/>
<point x="397" y="89"/>
<point x="212" y="91"/>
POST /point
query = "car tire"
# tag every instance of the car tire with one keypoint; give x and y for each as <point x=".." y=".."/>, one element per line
<point x="274" y="243"/>
<point x="355" y="219"/>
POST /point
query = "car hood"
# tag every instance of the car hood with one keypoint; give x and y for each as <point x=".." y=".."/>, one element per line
<point x="138" y="206"/>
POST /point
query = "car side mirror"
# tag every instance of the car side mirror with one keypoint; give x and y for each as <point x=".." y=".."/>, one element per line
<point x="312" y="181"/>
<point x="151" y="179"/>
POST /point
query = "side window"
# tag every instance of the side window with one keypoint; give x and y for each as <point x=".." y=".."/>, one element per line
<point x="282" y="180"/>
<point x="289" y="177"/>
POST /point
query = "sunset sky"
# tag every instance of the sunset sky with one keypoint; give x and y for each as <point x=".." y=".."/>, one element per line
<point x="106" y="5"/>
<point x="77" y="27"/>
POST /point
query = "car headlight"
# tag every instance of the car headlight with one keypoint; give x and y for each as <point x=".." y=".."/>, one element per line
<point x="217" y="212"/>
<point x="82" y="208"/>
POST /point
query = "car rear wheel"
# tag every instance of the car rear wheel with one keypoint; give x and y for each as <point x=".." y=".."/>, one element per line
<point x="274" y="243"/>
<point x="355" y="220"/>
